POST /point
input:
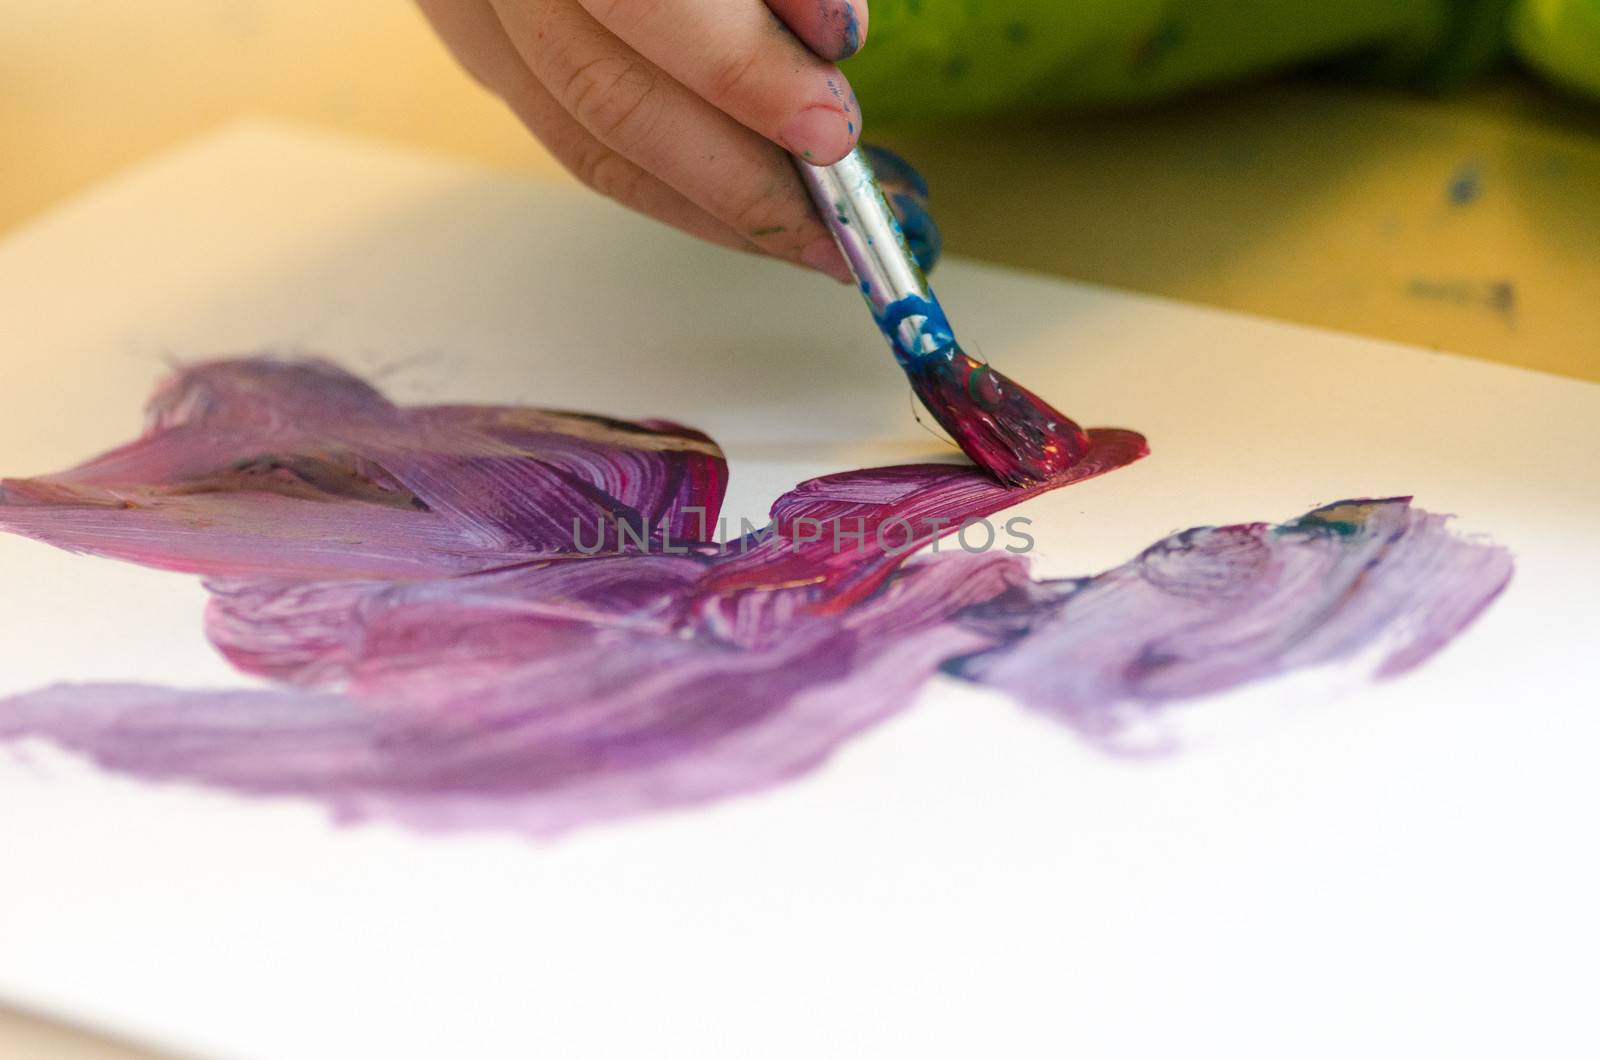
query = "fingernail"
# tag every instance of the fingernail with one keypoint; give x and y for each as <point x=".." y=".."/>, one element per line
<point x="823" y="255"/>
<point x="821" y="135"/>
<point x="849" y="28"/>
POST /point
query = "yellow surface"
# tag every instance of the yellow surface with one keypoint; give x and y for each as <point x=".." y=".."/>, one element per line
<point x="1459" y="226"/>
<point x="1310" y="203"/>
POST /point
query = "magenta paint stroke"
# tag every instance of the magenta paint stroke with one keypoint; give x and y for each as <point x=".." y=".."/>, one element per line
<point x="438" y="652"/>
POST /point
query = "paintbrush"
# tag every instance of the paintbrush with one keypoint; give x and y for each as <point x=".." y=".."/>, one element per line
<point x="1003" y="427"/>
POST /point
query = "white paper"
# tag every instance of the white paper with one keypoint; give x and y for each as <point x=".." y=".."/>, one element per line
<point x="1406" y="871"/>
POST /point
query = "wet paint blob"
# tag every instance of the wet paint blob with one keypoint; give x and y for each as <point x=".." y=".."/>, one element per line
<point x="1004" y="427"/>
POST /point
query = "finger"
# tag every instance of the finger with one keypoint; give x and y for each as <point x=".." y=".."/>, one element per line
<point x="474" y="35"/>
<point x="472" y="32"/>
<point x="833" y="29"/>
<point x="609" y="173"/>
<point x="632" y="107"/>
<point x="738" y="57"/>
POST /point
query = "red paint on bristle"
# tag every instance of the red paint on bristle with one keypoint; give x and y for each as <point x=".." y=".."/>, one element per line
<point x="1004" y="427"/>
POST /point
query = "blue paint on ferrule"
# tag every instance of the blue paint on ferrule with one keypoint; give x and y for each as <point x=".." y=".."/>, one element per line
<point x="893" y="170"/>
<point x="920" y="232"/>
<point x="907" y="195"/>
<point x="933" y="338"/>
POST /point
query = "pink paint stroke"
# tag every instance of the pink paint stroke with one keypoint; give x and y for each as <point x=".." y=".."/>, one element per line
<point x="443" y="653"/>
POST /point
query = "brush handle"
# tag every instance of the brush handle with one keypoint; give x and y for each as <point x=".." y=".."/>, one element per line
<point x="855" y="210"/>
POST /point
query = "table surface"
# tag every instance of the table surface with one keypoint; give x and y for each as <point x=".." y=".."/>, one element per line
<point x="1466" y="224"/>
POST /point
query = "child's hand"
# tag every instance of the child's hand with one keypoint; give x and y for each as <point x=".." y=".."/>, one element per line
<point x="680" y="109"/>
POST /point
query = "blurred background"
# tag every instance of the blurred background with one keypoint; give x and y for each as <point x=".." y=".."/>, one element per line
<point x="1420" y="170"/>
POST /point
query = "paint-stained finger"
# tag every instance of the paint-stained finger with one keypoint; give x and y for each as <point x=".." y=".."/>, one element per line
<point x="833" y="29"/>
<point x="740" y="59"/>
<point x="631" y="106"/>
<point x="474" y="34"/>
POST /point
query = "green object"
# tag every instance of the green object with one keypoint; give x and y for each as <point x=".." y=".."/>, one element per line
<point x="963" y="58"/>
<point x="1561" y="39"/>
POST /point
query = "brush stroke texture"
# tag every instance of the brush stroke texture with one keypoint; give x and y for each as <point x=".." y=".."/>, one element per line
<point x="298" y="469"/>
<point x="1375" y="582"/>
<point x="441" y="654"/>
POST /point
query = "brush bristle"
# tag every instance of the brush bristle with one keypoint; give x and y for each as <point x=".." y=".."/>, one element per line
<point x="1003" y="426"/>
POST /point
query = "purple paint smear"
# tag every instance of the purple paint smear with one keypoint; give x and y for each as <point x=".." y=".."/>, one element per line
<point x="1213" y="607"/>
<point x="442" y="654"/>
